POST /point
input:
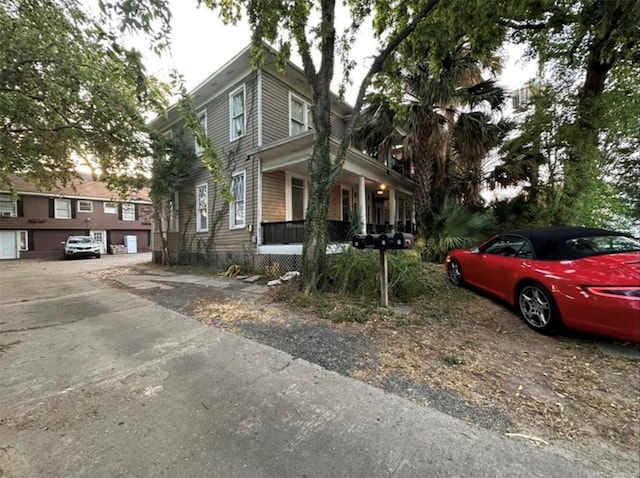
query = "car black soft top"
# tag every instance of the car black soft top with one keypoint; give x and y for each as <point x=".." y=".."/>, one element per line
<point x="550" y="243"/>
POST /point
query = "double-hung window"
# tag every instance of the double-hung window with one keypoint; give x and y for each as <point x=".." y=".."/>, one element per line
<point x="7" y="206"/>
<point x="85" y="206"/>
<point x="299" y="116"/>
<point x="202" y="118"/>
<point x="202" y="207"/>
<point x="237" y="207"/>
<point x="173" y="213"/>
<point x="237" y="117"/>
<point x="111" y="208"/>
<point x="128" y="212"/>
<point x="62" y="208"/>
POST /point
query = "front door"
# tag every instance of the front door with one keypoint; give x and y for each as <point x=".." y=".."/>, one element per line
<point x="8" y="245"/>
<point x="101" y="237"/>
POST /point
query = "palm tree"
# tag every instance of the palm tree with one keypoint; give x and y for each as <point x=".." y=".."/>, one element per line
<point x="445" y="117"/>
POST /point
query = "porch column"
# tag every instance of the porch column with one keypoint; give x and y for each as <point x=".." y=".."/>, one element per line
<point x="413" y="214"/>
<point x="362" y="205"/>
<point x="392" y="209"/>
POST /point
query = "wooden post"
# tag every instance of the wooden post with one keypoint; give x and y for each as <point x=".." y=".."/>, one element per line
<point x="384" y="280"/>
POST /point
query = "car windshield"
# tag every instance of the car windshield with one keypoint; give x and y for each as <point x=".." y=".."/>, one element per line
<point x="594" y="245"/>
<point x="80" y="240"/>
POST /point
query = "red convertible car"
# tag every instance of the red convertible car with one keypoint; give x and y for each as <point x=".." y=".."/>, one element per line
<point x="585" y="279"/>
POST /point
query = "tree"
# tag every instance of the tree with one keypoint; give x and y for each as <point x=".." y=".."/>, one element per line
<point x="69" y="89"/>
<point x="439" y="106"/>
<point x="591" y="50"/>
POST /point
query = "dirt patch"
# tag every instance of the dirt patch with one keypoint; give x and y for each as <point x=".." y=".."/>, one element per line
<point x="463" y="354"/>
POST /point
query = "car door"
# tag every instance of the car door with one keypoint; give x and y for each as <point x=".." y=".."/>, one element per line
<point x="500" y="264"/>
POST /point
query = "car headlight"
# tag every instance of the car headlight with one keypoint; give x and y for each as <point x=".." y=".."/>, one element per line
<point x="628" y="292"/>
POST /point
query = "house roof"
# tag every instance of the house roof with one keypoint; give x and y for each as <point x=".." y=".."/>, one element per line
<point x="79" y="188"/>
<point x="221" y="79"/>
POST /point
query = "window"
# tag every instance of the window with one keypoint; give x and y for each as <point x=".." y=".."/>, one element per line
<point x="23" y="240"/>
<point x="62" y="208"/>
<point x="85" y="206"/>
<point x="520" y="98"/>
<point x="7" y="206"/>
<point x="237" y="206"/>
<point x="202" y="207"/>
<point x="237" y="122"/>
<point x="300" y="116"/>
<point x="111" y="208"/>
<point x="128" y="212"/>
<point x="202" y="117"/>
<point x="173" y="213"/>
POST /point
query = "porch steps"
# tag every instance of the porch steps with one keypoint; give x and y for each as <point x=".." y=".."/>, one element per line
<point x="252" y="279"/>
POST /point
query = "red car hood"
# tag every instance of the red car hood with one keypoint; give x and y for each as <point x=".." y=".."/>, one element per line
<point x="607" y="269"/>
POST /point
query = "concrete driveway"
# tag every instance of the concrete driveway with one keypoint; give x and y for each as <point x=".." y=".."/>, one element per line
<point x="99" y="382"/>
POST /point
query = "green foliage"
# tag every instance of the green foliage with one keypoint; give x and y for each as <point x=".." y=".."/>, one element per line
<point x="455" y="227"/>
<point x="357" y="272"/>
<point x="68" y="89"/>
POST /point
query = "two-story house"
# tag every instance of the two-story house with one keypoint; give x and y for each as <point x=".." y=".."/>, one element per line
<point x="261" y="123"/>
<point x="33" y="224"/>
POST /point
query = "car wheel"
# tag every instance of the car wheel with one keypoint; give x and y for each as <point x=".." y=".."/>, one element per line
<point x="98" y="255"/>
<point x="538" y="308"/>
<point x="455" y="273"/>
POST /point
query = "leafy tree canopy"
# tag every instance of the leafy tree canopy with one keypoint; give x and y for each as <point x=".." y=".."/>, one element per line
<point x="69" y="89"/>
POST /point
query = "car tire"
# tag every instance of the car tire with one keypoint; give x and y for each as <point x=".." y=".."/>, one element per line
<point x="98" y="255"/>
<point x="454" y="271"/>
<point x="538" y="309"/>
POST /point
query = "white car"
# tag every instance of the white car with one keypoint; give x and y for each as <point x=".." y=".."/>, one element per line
<point x="81" y="246"/>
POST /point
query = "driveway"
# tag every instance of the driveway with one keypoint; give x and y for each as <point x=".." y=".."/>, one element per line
<point x="98" y="382"/>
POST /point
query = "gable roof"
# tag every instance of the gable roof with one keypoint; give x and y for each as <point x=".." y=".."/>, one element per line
<point x="79" y="188"/>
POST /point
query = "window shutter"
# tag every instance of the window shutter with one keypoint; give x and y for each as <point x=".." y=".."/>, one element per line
<point x="51" y="208"/>
<point x="30" y="239"/>
<point x="74" y="207"/>
<point x="120" y="211"/>
<point x="20" y="207"/>
<point x="135" y="212"/>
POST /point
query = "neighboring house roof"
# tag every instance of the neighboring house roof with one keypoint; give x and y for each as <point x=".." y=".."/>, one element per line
<point x="80" y="189"/>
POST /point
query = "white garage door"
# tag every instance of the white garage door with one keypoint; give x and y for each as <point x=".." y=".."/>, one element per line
<point x="8" y="245"/>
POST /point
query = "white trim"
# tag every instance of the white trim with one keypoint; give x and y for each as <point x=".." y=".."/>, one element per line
<point x="26" y="240"/>
<point x="305" y="113"/>
<point x="296" y="249"/>
<point x="232" y="222"/>
<point x="66" y="196"/>
<point x="55" y="208"/>
<point x="259" y="87"/>
<point x="80" y="201"/>
<point x="288" y="199"/>
<point x="258" y="228"/>
<point x="131" y="208"/>
<point x="198" y="148"/>
<point x="113" y="204"/>
<point x="244" y="112"/>
<point x="206" y="190"/>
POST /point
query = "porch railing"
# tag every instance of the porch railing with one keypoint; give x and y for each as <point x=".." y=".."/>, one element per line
<point x="292" y="232"/>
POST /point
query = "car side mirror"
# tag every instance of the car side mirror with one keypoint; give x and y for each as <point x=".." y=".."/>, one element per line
<point x="475" y="250"/>
<point x="63" y="242"/>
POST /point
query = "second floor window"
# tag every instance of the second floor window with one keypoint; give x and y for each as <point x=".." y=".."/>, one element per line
<point x="111" y="208"/>
<point x="85" y="206"/>
<point x="62" y="208"/>
<point x="202" y="117"/>
<point x="7" y="206"/>
<point x="237" y="123"/>
<point x="128" y="212"/>
<point x="299" y="116"/>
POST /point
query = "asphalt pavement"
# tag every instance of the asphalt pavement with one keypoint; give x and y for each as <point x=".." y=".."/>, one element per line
<point x="95" y="381"/>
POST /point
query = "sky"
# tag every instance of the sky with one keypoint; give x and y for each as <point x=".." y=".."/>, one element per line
<point x="201" y="44"/>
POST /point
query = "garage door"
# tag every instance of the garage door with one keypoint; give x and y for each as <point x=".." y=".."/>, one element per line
<point x="8" y="245"/>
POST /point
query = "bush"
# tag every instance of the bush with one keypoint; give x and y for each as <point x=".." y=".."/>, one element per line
<point x="358" y="272"/>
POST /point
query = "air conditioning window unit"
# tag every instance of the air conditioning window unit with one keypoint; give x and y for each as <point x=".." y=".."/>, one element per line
<point x="6" y="214"/>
